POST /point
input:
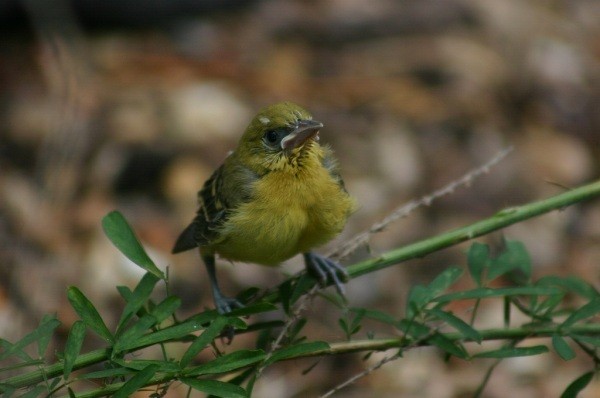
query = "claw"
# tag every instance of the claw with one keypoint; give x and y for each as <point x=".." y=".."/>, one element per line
<point x="324" y="269"/>
<point x="226" y="304"/>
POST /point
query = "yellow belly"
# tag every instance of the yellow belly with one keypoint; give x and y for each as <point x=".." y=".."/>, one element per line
<point x="289" y="214"/>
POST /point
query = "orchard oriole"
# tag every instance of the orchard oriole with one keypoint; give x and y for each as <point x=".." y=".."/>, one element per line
<point x="279" y="193"/>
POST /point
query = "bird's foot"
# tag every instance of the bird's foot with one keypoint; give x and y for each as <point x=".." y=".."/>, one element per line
<point x="324" y="268"/>
<point x="226" y="304"/>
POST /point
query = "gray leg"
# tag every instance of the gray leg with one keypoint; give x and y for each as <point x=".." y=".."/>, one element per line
<point x="223" y="304"/>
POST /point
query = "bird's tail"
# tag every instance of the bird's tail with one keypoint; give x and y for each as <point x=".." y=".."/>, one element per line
<point x="187" y="240"/>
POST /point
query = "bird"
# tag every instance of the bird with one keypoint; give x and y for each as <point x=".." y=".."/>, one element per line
<point x="278" y="194"/>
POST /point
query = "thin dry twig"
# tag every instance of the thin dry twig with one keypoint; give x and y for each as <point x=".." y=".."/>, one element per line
<point x="364" y="237"/>
<point x="378" y="365"/>
<point x="360" y="375"/>
<point x="295" y="315"/>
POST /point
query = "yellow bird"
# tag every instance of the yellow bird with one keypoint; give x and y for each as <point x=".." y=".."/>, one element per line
<point x="279" y="193"/>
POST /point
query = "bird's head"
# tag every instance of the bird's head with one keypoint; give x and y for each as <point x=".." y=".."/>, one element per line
<point x="279" y="137"/>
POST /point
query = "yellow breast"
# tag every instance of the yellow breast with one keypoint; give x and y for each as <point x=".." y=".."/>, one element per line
<point x="290" y="213"/>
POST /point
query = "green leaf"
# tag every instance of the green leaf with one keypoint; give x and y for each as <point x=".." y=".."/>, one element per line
<point x="304" y="283"/>
<point x="250" y="384"/>
<point x="295" y="329"/>
<point x="477" y="261"/>
<point x="423" y="333"/>
<point x="140" y="364"/>
<point x="130" y="337"/>
<point x="418" y="297"/>
<point x="248" y="294"/>
<point x="175" y="332"/>
<point x="380" y="316"/>
<point x="464" y="328"/>
<point x="226" y="363"/>
<point x="165" y="308"/>
<point x="483" y="292"/>
<point x="202" y="341"/>
<point x="570" y="283"/>
<point x="21" y="365"/>
<point x="216" y="388"/>
<point x="35" y="392"/>
<point x="344" y="326"/>
<point x="507" y="306"/>
<point x="136" y="382"/>
<point x="107" y="373"/>
<point x="122" y="236"/>
<point x="256" y="308"/>
<point x="562" y="347"/>
<point x="443" y="281"/>
<point x="592" y="340"/>
<point x="356" y="321"/>
<point x="264" y="339"/>
<point x="413" y="328"/>
<point x="46" y="328"/>
<point x="53" y="383"/>
<point x="578" y="385"/>
<point x="73" y="346"/>
<point x="243" y="376"/>
<point x="509" y="352"/>
<point x="45" y="338"/>
<point x="88" y="313"/>
<point x="546" y="307"/>
<point x="137" y="299"/>
<point x="514" y="256"/>
<point x="7" y="390"/>
<point x="334" y="298"/>
<point x="588" y="310"/>
<point x="285" y="293"/>
<point x="448" y="346"/>
<point x="297" y="350"/>
<point x="18" y="352"/>
<point x="125" y="292"/>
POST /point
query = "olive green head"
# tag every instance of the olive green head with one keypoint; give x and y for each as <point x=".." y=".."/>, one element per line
<point x="278" y="136"/>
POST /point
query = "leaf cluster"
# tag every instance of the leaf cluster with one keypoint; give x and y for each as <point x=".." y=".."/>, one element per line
<point x="427" y="319"/>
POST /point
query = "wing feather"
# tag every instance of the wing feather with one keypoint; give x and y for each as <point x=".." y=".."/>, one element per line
<point x="226" y="189"/>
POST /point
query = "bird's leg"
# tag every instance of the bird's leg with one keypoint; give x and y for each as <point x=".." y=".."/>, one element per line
<point x="324" y="268"/>
<point x="224" y="304"/>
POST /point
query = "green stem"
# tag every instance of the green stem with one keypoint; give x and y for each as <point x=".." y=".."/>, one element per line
<point x="56" y="369"/>
<point x="346" y="347"/>
<point x="500" y="220"/>
<point x="489" y="334"/>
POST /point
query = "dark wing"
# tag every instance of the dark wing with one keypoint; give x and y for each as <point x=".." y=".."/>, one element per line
<point x="220" y="194"/>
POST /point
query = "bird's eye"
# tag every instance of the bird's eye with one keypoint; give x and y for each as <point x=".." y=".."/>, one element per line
<point x="271" y="137"/>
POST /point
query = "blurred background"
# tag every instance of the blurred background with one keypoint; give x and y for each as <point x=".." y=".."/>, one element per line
<point x="131" y="105"/>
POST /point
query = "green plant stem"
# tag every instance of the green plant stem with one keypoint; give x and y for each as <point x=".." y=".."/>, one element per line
<point x="346" y="347"/>
<point x="56" y="369"/>
<point x="498" y="221"/>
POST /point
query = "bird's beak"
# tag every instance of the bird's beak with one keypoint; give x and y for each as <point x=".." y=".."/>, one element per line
<point x="304" y="130"/>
